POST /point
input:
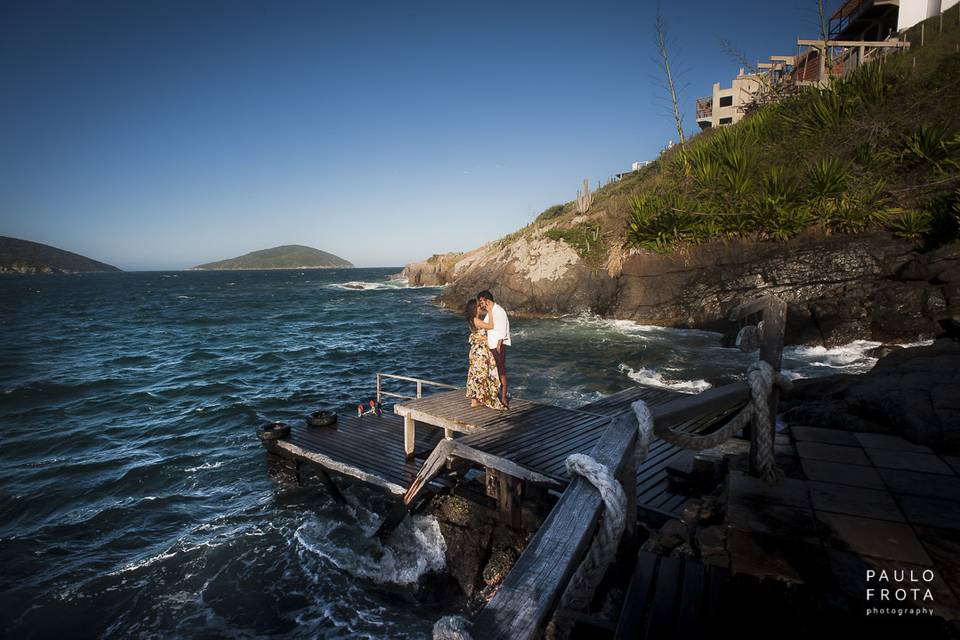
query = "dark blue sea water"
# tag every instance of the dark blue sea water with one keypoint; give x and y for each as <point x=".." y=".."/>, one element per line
<point x="133" y="494"/>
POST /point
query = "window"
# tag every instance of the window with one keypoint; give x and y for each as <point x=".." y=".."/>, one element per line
<point x="726" y="101"/>
<point x="726" y="120"/>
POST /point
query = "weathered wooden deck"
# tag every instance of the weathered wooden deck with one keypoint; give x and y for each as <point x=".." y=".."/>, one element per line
<point x="368" y="448"/>
<point x="538" y="438"/>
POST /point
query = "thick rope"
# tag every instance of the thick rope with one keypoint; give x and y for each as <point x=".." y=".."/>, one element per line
<point x="750" y="337"/>
<point x="603" y="549"/>
<point x="451" y="628"/>
<point x="761" y="377"/>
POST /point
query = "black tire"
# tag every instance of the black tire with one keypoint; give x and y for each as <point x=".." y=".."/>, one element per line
<point x="273" y="431"/>
<point x="321" y="419"/>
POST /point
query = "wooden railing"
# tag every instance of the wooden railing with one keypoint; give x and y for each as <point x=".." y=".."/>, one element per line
<point x="418" y="381"/>
<point x="528" y="595"/>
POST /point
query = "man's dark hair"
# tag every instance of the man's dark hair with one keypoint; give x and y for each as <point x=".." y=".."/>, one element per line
<point x="486" y="295"/>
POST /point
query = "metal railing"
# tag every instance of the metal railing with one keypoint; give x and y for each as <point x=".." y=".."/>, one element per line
<point x="418" y="381"/>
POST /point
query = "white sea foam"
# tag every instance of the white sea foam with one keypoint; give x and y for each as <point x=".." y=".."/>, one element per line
<point x="415" y="548"/>
<point x="656" y="379"/>
<point x="853" y="357"/>
<point x="204" y="466"/>
<point x="630" y="327"/>
<point x="380" y="285"/>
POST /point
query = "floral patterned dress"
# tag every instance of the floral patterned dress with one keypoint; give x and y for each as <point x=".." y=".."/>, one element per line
<point x="483" y="381"/>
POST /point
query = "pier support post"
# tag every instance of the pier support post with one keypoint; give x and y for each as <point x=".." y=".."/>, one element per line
<point x="508" y="500"/>
<point x="771" y="352"/>
<point x="628" y="480"/>
<point x="409" y="436"/>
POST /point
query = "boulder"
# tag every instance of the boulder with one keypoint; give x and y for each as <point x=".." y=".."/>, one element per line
<point x="913" y="393"/>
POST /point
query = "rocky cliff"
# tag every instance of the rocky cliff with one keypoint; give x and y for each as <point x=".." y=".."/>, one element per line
<point x="839" y="287"/>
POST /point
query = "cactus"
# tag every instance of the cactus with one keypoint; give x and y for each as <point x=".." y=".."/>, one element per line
<point x="584" y="198"/>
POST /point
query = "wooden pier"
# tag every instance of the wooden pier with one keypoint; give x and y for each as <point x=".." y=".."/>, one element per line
<point x="522" y="452"/>
<point x="369" y="449"/>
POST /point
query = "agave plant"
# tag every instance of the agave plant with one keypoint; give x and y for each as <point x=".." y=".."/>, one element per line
<point x="910" y="223"/>
<point x="930" y="145"/>
<point x="736" y="172"/>
<point x="827" y="178"/>
<point x="816" y="110"/>
<point x="778" y="186"/>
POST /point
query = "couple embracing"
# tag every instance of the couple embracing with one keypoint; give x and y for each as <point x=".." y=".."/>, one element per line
<point x="489" y="339"/>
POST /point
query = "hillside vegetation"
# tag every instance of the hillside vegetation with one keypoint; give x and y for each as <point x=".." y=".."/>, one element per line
<point x="879" y="149"/>
<point x="23" y="256"/>
<point x="291" y="256"/>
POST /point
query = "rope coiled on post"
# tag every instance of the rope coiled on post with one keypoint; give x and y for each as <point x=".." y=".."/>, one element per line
<point x="761" y="377"/>
<point x="451" y="628"/>
<point x="603" y="548"/>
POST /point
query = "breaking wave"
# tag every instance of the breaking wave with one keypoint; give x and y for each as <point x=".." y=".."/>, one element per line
<point x="415" y="548"/>
<point x="656" y="379"/>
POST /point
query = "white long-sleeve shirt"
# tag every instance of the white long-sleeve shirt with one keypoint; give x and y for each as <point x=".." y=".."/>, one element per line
<point x="501" y="327"/>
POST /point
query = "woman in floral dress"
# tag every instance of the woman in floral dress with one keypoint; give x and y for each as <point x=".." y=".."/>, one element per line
<point x="483" y="382"/>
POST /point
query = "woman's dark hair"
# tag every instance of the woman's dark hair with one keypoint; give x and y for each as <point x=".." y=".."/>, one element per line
<point x="470" y="312"/>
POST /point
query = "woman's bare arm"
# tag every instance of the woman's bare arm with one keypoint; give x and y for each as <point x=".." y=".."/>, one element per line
<point x="480" y="324"/>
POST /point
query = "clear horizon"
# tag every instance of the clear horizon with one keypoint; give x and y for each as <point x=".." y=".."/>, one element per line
<point x="159" y="137"/>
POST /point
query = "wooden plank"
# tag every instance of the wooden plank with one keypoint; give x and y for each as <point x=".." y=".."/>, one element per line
<point x="661" y="622"/>
<point x="341" y="467"/>
<point x="716" y="607"/>
<point x="528" y="594"/>
<point x="691" y="601"/>
<point x="806" y="42"/>
<point x="636" y="600"/>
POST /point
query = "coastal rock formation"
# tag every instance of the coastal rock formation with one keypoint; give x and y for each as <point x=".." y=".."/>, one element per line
<point x="839" y="287"/>
<point x="913" y="393"/>
<point x="25" y="257"/>
<point x="435" y="271"/>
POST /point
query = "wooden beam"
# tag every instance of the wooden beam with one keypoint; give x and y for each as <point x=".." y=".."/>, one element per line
<point x="434" y="420"/>
<point x="852" y="43"/>
<point x="508" y="500"/>
<point x="409" y="436"/>
<point x="528" y="594"/>
<point x="340" y="467"/>
<point x="713" y="400"/>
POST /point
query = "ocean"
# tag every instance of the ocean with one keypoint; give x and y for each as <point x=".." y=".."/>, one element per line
<point x="134" y="499"/>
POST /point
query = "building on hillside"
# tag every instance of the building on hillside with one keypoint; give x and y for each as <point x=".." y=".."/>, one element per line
<point x="859" y="31"/>
<point x="913" y="12"/>
<point x="726" y="106"/>
<point x="636" y="166"/>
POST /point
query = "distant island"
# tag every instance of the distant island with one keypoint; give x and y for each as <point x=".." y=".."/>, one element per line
<point x="288" y="256"/>
<point x="25" y="257"/>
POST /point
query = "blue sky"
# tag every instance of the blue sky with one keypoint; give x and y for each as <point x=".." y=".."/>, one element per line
<point x="159" y="135"/>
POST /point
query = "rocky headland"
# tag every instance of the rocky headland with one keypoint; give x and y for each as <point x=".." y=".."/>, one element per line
<point x="27" y="258"/>
<point x="839" y="288"/>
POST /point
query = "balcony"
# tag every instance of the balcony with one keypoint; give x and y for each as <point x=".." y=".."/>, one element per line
<point x="705" y="111"/>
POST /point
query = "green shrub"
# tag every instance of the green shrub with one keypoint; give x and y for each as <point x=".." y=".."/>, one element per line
<point x="910" y="224"/>
<point x="826" y="178"/>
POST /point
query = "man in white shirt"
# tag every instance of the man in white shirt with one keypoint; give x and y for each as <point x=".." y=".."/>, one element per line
<point x="498" y="338"/>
